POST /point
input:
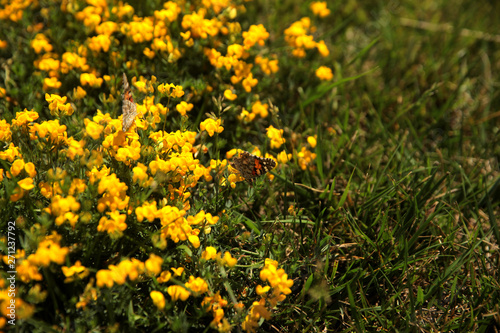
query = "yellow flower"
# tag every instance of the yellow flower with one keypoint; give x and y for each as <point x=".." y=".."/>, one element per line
<point x="93" y="129"/>
<point x="56" y="133"/>
<point x="147" y="210"/>
<point x="49" y="251"/>
<point x="11" y="153"/>
<point x="229" y="260"/>
<point x="99" y="43"/>
<point x="75" y="148"/>
<point x="209" y="253"/>
<point x="77" y="271"/>
<point x="17" y="167"/>
<point x="324" y="73"/>
<point x="30" y="169"/>
<point x="211" y="126"/>
<point x="104" y="277"/>
<point x="257" y="34"/>
<point x="195" y="240"/>
<point x="249" y="82"/>
<point x="184" y="107"/>
<point x="64" y="209"/>
<point x="178" y="271"/>
<point x="283" y="157"/>
<point x="322" y="48"/>
<point x="178" y="292"/>
<point x="41" y="43"/>
<point x="276" y="137"/>
<point x="107" y="28"/>
<point x="71" y="61"/>
<point x="91" y="80"/>
<point x="262" y="290"/>
<point x="260" y="109"/>
<point x="197" y="285"/>
<point x="26" y="184"/>
<point x="319" y="8"/>
<point x="305" y="158"/>
<point x="79" y="93"/>
<point x="114" y="226"/>
<point x="267" y="66"/>
<point x="48" y="65"/>
<point x="312" y="141"/>
<point x="164" y="277"/>
<point x="24" y="117"/>
<point x="158" y="299"/>
<point x="228" y="94"/>
<point x="5" y="132"/>
<point x="153" y="264"/>
<point x="51" y="83"/>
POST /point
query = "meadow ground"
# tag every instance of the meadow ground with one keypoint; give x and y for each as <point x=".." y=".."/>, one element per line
<point x="370" y="203"/>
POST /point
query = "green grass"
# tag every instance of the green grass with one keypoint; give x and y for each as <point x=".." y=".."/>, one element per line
<point x="395" y="224"/>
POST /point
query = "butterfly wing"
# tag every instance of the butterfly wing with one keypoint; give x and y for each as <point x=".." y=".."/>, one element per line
<point x="129" y="108"/>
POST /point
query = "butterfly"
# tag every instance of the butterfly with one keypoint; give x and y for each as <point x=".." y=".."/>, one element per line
<point x="251" y="166"/>
<point x="129" y="108"/>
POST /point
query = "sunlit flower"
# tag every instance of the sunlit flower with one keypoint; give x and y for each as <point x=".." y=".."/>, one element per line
<point x="153" y="264"/>
<point x="276" y="136"/>
<point x="324" y="73"/>
<point x="257" y="34"/>
<point x="319" y="8"/>
<point x="91" y="80"/>
<point x="93" y="129"/>
<point x="158" y="299"/>
<point x="211" y="126"/>
<point x="51" y="83"/>
<point x="184" y="107"/>
<point x="209" y="253"/>
<point x="99" y="43"/>
<point x="228" y="94"/>
<point x="24" y="117"/>
<point x="312" y="141"/>
<point x="197" y="285"/>
<point x="178" y="292"/>
<point x="41" y="43"/>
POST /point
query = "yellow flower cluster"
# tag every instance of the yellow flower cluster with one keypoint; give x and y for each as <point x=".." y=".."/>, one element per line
<point x="280" y="284"/>
<point x="212" y="126"/>
<point x="324" y="73"/>
<point x="210" y="253"/>
<point x="236" y="54"/>
<point x="55" y="133"/>
<point x="305" y="158"/>
<point x="13" y="10"/>
<point x="268" y="66"/>
<point x="48" y="251"/>
<point x="75" y="272"/>
<point x="297" y="36"/>
<point x="177" y="91"/>
<point x="258" y="109"/>
<point x="118" y="274"/>
<point x="41" y="44"/>
<point x="58" y="105"/>
<point x="5" y="132"/>
<point x="215" y="304"/>
<point x="319" y="8"/>
<point x="276" y="136"/>
<point x="64" y="209"/>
